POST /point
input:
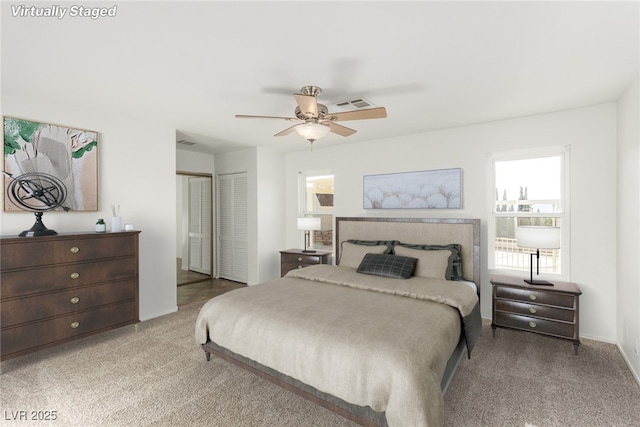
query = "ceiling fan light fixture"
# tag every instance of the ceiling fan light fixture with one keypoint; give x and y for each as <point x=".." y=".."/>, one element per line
<point x="312" y="131"/>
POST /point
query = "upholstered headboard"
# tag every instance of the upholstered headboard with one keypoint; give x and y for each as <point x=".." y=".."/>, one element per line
<point x="465" y="232"/>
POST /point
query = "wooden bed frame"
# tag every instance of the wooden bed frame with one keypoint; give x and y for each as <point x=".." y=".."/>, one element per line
<point x="407" y="230"/>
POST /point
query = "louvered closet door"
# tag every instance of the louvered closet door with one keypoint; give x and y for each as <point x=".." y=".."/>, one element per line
<point x="200" y="225"/>
<point x="232" y="230"/>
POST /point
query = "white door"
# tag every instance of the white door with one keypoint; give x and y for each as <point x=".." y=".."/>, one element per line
<point x="200" y="225"/>
<point x="232" y="229"/>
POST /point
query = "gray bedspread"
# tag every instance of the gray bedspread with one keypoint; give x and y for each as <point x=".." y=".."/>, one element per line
<point x="369" y="340"/>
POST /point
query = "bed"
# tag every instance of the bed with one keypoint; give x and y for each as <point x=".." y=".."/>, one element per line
<point x="363" y="338"/>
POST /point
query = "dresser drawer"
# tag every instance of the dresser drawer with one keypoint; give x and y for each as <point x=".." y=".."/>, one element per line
<point x="42" y="306"/>
<point x="533" y="324"/>
<point x="539" y="297"/>
<point x="534" y="310"/>
<point x="35" y="336"/>
<point x="17" y="283"/>
<point x="50" y="251"/>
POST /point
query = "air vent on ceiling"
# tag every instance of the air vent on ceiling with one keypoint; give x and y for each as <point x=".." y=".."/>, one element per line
<point x="358" y="103"/>
<point x="185" y="142"/>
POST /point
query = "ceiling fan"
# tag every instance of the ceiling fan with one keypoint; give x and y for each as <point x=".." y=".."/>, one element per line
<point x="315" y="119"/>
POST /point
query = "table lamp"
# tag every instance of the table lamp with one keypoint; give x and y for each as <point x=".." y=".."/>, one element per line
<point x="538" y="238"/>
<point x="307" y="224"/>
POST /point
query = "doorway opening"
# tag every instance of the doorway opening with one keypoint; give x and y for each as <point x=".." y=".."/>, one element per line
<point x="194" y="227"/>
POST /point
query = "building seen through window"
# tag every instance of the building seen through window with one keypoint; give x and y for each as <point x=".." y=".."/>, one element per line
<point x="317" y="201"/>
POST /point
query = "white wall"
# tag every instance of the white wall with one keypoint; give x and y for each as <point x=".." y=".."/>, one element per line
<point x="191" y="161"/>
<point x="271" y="204"/>
<point x="136" y="170"/>
<point x="628" y="221"/>
<point x="591" y="133"/>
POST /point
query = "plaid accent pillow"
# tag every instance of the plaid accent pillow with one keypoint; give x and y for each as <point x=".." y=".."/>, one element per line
<point x="394" y="266"/>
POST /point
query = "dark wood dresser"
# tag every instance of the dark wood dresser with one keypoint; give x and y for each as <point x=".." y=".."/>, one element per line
<point x="547" y="310"/>
<point x="55" y="289"/>
<point x="297" y="258"/>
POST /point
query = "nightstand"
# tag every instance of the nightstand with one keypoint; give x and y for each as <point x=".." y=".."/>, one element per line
<point x="552" y="311"/>
<point x="297" y="258"/>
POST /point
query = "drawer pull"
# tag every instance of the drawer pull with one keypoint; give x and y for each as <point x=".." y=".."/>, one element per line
<point x="532" y="297"/>
<point x="75" y="250"/>
<point x="532" y="310"/>
<point x="533" y="324"/>
<point x="299" y="266"/>
<point x="74" y="325"/>
<point x="75" y="300"/>
<point x="75" y="275"/>
<point x="299" y="259"/>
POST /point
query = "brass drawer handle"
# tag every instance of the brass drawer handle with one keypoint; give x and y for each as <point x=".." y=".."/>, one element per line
<point x="299" y="266"/>
<point x="532" y="310"/>
<point x="300" y="259"/>
<point x="533" y="324"/>
<point x="532" y="297"/>
<point x="74" y="325"/>
<point x="75" y="300"/>
<point x="75" y="250"/>
<point x="75" y="275"/>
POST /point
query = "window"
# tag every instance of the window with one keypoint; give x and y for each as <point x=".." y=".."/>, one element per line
<point x="316" y="200"/>
<point x="529" y="189"/>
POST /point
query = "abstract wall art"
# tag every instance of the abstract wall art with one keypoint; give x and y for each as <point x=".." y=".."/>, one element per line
<point x="69" y="154"/>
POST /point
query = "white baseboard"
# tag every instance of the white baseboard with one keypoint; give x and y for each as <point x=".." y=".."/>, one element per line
<point x="159" y="314"/>
<point x="629" y="365"/>
<point x="635" y="374"/>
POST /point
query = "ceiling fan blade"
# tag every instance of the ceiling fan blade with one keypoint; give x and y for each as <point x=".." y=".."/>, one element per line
<point x="308" y="104"/>
<point x="369" y="113"/>
<point x="339" y="129"/>
<point x="246" y="116"/>
<point x="287" y="131"/>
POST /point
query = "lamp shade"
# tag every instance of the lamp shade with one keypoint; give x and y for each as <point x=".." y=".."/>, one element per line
<point x="538" y="237"/>
<point x="312" y="131"/>
<point x="309" y="223"/>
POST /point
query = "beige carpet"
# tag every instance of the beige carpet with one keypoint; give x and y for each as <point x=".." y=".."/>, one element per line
<point x="159" y="377"/>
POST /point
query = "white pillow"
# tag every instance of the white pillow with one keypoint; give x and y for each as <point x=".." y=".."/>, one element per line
<point x="351" y="254"/>
<point x="433" y="263"/>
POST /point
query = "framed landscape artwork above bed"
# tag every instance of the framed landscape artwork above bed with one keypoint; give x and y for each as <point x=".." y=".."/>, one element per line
<point x="431" y="189"/>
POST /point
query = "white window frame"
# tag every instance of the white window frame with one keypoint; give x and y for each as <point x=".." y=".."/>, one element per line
<point x="302" y="197"/>
<point x="563" y="214"/>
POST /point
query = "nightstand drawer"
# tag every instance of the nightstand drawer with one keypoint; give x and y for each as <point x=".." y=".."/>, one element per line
<point x="297" y="259"/>
<point x="293" y="266"/>
<point x="292" y="259"/>
<point x="533" y="324"/>
<point x="539" y="297"/>
<point x="535" y="310"/>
